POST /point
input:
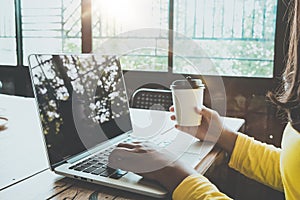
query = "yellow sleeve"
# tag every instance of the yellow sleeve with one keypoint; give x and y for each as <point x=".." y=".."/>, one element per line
<point x="258" y="161"/>
<point x="197" y="187"/>
<point x="290" y="163"/>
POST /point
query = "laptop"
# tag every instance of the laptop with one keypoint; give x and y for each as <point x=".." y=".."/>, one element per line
<point x="84" y="114"/>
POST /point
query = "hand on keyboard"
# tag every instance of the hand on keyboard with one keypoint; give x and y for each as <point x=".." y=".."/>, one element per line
<point x="150" y="161"/>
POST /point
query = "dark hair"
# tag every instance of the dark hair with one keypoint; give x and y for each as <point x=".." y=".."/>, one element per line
<point x="287" y="95"/>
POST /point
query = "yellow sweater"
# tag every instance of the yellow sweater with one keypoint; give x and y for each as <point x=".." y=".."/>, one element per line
<point x="277" y="168"/>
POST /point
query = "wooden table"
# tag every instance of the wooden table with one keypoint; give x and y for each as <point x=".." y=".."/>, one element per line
<point x="24" y="169"/>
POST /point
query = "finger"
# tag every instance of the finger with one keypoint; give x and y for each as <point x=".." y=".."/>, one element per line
<point x="171" y="109"/>
<point x="124" y="150"/>
<point x="182" y="128"/>
<point x="204" y="111"/>
<point x="173" y="117"/>
<point x="192" y="130"/>
<point x="128" y="145"/>
<point x="198" y="110"/>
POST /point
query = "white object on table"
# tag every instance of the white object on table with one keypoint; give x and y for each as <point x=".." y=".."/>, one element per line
<point x="22" y="149"/>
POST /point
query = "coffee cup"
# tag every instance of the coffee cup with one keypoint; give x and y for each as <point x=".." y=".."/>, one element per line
<point x="187" y="95"/>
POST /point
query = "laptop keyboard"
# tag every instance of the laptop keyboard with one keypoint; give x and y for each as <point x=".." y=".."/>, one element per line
<point x="97" y="165"/>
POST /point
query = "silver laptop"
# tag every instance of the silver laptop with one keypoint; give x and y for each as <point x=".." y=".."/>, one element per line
<point x="84" y="114"/>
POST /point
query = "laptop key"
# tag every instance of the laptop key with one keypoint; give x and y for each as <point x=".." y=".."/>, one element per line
<point x="118" y="174"/>
<point x="98" y="171"/>
<point x="103" y="161"/>
<point x="107" y="172"/>
<point x="91" y="163"/>
<point x="79" y="168"/>
<point x="85" y="165"/>
<point x="74" y="166"/>
<point x="90" y="169"/>
<point x="98" y="165"/>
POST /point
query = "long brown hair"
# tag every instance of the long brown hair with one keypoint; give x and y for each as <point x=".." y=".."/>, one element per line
<point x="287" y="96"/>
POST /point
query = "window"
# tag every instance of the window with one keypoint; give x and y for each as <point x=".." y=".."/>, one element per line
<point x="8" y="54"/>
<point x="51" y="26"/>
<point x="135" y="29"/>
<point x="211" y="37"/>
<point x="232" y="38"/>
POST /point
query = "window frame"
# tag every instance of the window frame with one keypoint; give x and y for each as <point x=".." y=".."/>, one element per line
<point x="254" y="85"/>
<point x="247" y="86"/>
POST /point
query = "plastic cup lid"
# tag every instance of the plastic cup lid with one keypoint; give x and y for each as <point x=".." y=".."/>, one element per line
<point x="187" y="84"/>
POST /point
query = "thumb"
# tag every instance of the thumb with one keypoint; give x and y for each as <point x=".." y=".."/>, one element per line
<point x="204" y="111"/>
<point x="191" y="130"/>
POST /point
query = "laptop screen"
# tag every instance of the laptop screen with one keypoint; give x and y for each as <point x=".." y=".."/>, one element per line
<point x="82" y="101"/>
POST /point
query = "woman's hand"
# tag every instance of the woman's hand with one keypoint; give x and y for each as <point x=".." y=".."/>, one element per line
<point x="151" y="162"/>
<point x="212" y="129"/>
<point x="211" y="125"/>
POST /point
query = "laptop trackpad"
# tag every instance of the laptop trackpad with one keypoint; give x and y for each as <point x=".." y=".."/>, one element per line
<point x="135" y="183"/>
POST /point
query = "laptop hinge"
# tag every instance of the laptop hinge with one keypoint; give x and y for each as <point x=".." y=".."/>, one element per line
<point x="57" y="164"/>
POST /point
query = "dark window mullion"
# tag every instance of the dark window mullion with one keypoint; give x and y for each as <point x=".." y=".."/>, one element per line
<point x="171" y="36"/>
<point x="19" y="36"/>
<point x="86" y="26"/>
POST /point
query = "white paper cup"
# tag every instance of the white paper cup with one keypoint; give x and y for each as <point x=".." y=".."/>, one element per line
<point x="186" y="97"/>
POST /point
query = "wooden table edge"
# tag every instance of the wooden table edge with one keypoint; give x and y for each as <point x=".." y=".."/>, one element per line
<point x="208" y="160"/>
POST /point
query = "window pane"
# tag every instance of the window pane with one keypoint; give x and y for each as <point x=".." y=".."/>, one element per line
<point x="7" y="33"/>
<point x="236" y="36"/>
<point x="51" y="26"/>
<point x="133" y="28"/>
